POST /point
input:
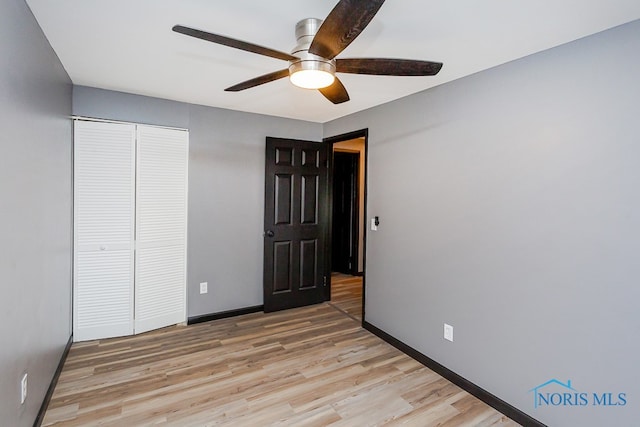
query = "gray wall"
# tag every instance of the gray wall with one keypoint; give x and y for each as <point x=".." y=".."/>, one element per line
<point x="226" y="188"/>
<point x="35" y="212"/>
<point x="509" y="208"/>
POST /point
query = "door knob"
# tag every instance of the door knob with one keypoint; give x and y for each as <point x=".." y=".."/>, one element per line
<point x="269" y="233"/>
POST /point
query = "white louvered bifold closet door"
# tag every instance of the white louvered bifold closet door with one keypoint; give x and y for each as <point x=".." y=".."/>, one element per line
<point x="104" y="184"/>
<point x="161" y="227"/>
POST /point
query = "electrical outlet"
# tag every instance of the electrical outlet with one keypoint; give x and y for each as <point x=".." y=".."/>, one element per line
<point x="448" y="332"/>
<point x="204" y="288"/>
<point x="23" y="389"/>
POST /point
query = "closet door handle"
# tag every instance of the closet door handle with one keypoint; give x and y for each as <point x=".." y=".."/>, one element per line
<point x="269" y="233"/>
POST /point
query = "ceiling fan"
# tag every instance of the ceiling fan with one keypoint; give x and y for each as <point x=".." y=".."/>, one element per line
<point x="313" y="63"/>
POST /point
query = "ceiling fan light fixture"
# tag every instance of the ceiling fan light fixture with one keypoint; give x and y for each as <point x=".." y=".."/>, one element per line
<point x="312" y="79"/>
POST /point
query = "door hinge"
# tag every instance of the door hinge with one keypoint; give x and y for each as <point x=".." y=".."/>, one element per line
<point x="327" y="164"/>
<point x="324" y="281"/>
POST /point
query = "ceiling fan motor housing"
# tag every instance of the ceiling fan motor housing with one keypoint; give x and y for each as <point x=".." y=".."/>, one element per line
<point x="305" y="31"/>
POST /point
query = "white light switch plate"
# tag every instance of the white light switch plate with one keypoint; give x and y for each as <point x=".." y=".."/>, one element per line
<point x="374" y="227"/>
<point x="448" y="332"/>
<point x="204" y="288"/>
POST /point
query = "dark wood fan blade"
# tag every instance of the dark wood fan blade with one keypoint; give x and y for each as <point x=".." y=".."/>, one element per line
<point x="344" y="23"/>
<point x="259" y="81"/>
<point x="388" y="67"/>
<point x="238" y="44"/>
<point x="335" y="93"/>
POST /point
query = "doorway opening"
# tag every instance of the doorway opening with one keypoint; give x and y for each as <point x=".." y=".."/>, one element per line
<point x="348" y="222"/>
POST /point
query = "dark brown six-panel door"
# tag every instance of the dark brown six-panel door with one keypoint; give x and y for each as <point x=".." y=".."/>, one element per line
<point x="295" y="223"/>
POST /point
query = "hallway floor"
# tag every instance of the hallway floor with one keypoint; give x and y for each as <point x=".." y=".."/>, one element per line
<point x="346" y="294"/>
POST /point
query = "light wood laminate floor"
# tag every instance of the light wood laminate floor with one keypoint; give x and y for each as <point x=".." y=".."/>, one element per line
<point x="312" y="366"/>
<point x="346" y="294"/>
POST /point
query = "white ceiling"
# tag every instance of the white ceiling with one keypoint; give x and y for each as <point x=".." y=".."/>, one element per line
<point x="128" y="46"/>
